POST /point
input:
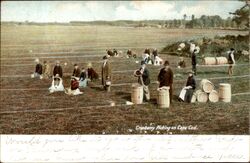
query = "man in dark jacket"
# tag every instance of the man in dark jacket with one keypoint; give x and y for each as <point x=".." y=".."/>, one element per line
<point x="77" y="71"/>
<point x="194" y="61"/>
<point x="165" y="78"/>
<point x="144" y="80"/>
<point x="58" y="69"/>
<point x="38" y="70"/>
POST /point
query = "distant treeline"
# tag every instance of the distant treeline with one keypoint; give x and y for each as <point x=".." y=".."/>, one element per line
<point x="202" y="22"/>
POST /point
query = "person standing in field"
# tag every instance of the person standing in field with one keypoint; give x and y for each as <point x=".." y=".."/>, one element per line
<point x="46" y="70"/>
<point x="58" y="70"/>
<point x="231" y="61"/>
<point x="106" y="74"/>
<point x="38" y="70"/>
<point x="144" y="80"/>
<point x="194" y="61"/>
<point x="165" y="78"/>
<point x="77" y="71"/>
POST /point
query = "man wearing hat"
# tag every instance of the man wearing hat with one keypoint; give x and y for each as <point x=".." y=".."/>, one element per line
<point x="58" y="69"/>
<point x="144" y="80"/>
<point x="38" y="70"/>
<point x="106" y="74"/>
<point x="165" y="78"/>
<point x="76" y="71"/>
<point x="187" y="92"/>
<point x="231" y="61"/>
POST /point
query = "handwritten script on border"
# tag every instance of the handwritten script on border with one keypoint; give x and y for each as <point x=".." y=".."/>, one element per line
<point x="124" y="148"/>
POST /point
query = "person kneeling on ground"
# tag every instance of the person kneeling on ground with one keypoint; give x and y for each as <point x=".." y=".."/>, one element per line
<point x="181" y="63"/>
<point x="83" y="79"/>
<point x="46" y="70"/>
<point x="58" y="69"/>
<point x="38" y="70"/>
<point x="76" y="71"/>
<point x="57" y="84"/>
<point x="187" y="92"/>
<point x="92" y="74"/>
<point x="74" y="87"/>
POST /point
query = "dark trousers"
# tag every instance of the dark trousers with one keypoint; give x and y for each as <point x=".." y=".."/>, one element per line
<point x="194" y="69"/>
<point x="188" y="95"/>
<point x="171" y="93"/>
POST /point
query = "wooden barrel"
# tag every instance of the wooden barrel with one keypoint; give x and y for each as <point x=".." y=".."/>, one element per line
<point x="221" y="60"/>
<point x="163" y="97"/>
<point x="137" y="94"/>
<point x="206" y="85"/>
<point x="213" y="96"/>
<point x="225" y="92"/>
<point x="209" y="61"/>
<point x="201" y="96"/>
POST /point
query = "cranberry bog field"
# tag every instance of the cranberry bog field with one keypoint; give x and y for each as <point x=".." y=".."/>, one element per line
<point x="27" y="107"/>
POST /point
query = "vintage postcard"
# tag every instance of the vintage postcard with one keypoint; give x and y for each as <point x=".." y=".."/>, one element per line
<point x="125" y="68"/>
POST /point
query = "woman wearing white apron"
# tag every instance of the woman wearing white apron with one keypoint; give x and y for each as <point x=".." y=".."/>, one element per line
<point x="57" y="84"/>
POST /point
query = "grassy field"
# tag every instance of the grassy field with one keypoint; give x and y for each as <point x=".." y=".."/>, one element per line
<point x="28" y="108"/>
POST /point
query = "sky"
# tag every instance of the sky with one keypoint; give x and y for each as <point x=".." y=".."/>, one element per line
<point x="66" y="11"/>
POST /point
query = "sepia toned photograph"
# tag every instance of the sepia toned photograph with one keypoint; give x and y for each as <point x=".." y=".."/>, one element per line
<point x="125" y="67"/>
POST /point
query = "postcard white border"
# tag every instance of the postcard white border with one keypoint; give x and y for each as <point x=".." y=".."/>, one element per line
<point x="124" y="148"/>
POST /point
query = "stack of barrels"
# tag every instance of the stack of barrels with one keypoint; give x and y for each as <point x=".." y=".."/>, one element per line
<point x="208" y="93"/>
<point x="215" y="60"/>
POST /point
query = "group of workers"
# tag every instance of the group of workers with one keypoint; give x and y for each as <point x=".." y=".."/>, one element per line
<point x="80" y="77"/>
<point x="165" y="79"/>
